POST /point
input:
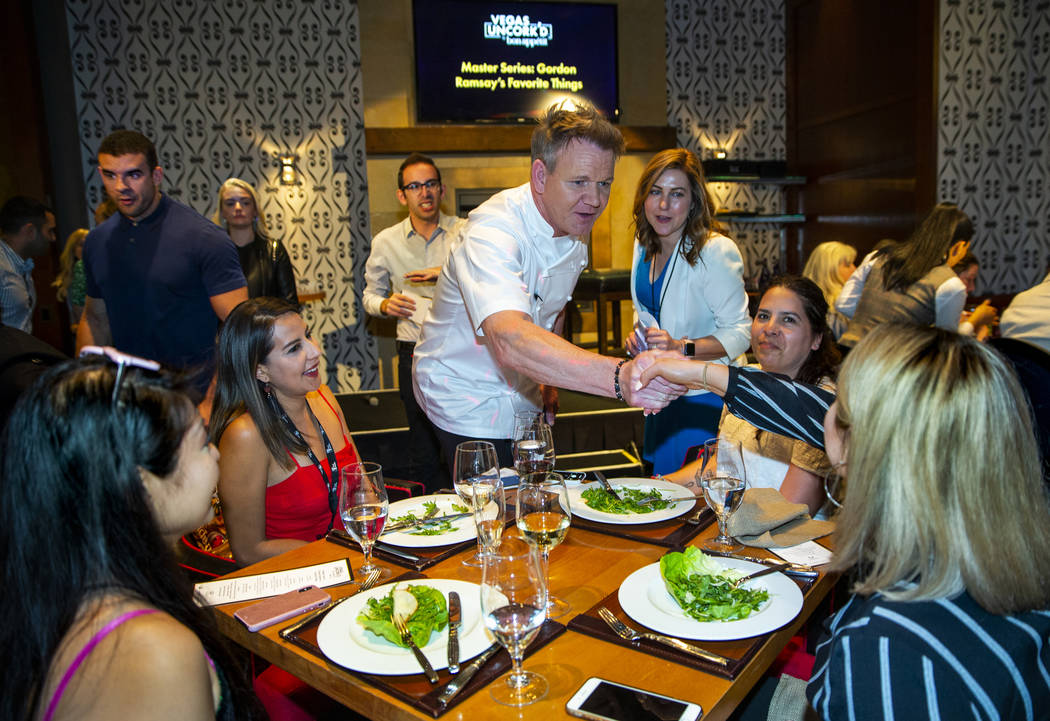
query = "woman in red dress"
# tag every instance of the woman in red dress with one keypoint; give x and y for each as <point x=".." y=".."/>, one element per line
<point x="281" y="433"/>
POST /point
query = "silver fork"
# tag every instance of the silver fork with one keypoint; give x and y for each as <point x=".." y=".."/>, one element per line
<point x="370" y="580"/>
<point x="629" y="634"/>
<point x="402" y="629"/>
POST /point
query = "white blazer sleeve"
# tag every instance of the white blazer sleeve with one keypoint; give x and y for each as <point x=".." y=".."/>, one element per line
<point x="849" y="296"/>
<point x="725" y="295"/>
<point x="948" y="303"/>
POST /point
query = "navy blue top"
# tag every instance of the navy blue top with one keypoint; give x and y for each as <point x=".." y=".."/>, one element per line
<point x="649" y="295"/>
<point x="156" y="278"/>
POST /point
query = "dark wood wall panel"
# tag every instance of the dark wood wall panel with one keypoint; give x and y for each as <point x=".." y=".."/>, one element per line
<point x="861" y="117"/>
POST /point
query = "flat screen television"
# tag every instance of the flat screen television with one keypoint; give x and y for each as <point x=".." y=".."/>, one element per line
<point x="484" y="61"/>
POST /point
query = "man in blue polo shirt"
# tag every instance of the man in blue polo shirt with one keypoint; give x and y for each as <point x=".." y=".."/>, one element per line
<point x="160" y="276"/>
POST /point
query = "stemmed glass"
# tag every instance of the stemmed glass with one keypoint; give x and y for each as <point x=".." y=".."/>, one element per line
<point x="723" y="479"/>
<point x="512" y="596"/>
<point x="543" y="519"/>
<point x="363" y="506"/>
<point x="475" y="471"/>
<point x="490" y="515"/>
<point x="533" y="450"/>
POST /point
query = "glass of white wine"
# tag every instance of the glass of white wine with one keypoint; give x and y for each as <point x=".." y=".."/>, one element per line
<point x="543" y="519"/>
<point x="363" y="506"/>
<point x="475" y="472"/>
<point x="490" y="516"/>
<point x="723" y="480"/>
<point x="513" y="590"/>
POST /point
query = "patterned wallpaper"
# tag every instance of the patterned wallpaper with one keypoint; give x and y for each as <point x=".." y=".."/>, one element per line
<point x="223" y="89"/>
<point x="994" y="134"/>
<point x="726" y="89"/>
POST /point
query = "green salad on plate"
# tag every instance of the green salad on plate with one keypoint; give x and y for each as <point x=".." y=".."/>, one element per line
<point x="426" y="606"/>
<point x="601" y="500"/>
<point x="704" y="588"/>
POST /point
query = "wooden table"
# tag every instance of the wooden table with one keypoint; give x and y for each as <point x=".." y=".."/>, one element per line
<point x="584" y="569"/>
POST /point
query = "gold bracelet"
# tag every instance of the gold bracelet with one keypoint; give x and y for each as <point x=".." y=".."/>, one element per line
<point x="703" y="379"/>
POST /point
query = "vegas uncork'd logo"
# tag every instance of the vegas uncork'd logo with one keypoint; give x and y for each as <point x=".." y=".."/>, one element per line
<point x="518" y="30"/>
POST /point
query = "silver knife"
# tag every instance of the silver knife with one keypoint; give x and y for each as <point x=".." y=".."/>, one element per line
<point x="455" y="685"/>
<point x="606" y="485"/>
<point x="453" y="632"/>
<point x="425" y="521"/>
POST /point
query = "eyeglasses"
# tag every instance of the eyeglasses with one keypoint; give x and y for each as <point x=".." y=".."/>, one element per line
<point x="123" y="360"/>
<point x="432" y="184"/>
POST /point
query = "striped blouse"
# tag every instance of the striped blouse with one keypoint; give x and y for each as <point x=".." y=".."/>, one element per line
<point x="777" y="404"/>
<point x="944" y="659"/>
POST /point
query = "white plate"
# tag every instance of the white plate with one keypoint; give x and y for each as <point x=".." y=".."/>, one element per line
<point x="644" y="597"/>
<point x="668" y="489"/>
<point x="347" y="643"/>
<point x="464" y="527"/>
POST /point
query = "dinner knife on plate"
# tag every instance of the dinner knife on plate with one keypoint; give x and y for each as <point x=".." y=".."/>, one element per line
<point x="424" y="522"/>
<point x="606" y="485"/>
<point x="453" y="632"/>
<point x="466" y="673"/>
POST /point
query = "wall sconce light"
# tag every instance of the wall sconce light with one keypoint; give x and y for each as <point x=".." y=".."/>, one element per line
<point x="720" y="153"/>
<point x="289" y="176"/>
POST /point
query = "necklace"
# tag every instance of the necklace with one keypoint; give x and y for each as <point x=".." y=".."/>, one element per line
<point x="666" y="282"/>
<point x="330" y="480"/>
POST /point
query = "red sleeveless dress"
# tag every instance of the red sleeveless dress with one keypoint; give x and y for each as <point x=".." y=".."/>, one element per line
<point x="297" y="507"/>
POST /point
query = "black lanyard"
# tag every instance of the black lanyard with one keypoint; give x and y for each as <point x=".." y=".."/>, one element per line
<point x="663" y="287"/>
<point x="331" y="481"/>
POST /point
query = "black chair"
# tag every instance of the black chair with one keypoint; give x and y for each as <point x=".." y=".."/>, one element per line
<point x="1032" y="364"/>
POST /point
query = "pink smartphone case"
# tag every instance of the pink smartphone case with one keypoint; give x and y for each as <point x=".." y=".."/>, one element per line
<point x="274" y="610"/>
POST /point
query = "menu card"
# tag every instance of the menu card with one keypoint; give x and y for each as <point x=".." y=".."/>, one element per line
<point x="246" y="588"/>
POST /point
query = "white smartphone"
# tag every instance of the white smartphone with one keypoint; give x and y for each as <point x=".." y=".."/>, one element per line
<point x="603" y="700"/>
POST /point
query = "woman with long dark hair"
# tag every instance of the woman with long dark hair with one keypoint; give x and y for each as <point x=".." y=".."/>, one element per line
<point x="687" y="284"/>
<point x="281" y="432"/>
<point x="103" y="469"/>
<point x="790" y="337"/>
<point x="912" y="282"/>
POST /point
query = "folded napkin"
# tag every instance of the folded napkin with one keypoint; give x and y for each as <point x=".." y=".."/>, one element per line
<point x="766" y="519"/>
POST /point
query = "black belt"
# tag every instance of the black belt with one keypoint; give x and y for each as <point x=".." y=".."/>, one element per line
<point x="404" y="346"/>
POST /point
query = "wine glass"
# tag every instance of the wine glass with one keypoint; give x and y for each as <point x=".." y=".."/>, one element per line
<point x="543" y="519"/>
<point x="723" y="480"/>
<point x="490" y="515"/>
<point x="475" y="470"/>
<point x="363" y="506"/>
<point x="512" y="597"/>
<point x="533" y="450"/>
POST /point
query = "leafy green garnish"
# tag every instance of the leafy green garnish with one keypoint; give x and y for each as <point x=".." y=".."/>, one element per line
<point x="429" y="528"/>
<point x="703" y="588"/>
<point x="431" y="615"/>
<point x="601" y="500"/>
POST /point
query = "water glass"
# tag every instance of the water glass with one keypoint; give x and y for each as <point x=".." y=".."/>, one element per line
<point x="475" y="470"/>
<point x="723" y="480"/>
<point x="363" y="506"/>
<point x="512" y="597"/>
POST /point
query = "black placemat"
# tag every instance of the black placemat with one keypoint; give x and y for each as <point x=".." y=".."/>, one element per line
<point x="414" y="689"/>
<point x="739" y="652"/>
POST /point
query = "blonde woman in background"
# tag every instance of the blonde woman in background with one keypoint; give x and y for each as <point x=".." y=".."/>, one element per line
<point x="71" y="283"/>
<point x="265" y="262"/>
<point x="829" y="266"/>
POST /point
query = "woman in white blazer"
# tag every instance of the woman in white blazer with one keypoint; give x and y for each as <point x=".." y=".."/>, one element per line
<point x="687" y="284"/>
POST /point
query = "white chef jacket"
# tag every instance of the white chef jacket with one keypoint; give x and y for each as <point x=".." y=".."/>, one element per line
<point x="507" y="259"/>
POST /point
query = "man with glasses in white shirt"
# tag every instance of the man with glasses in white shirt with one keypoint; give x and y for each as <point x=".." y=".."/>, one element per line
<point x="491" y="344"/>
<point x="399" y="283"/>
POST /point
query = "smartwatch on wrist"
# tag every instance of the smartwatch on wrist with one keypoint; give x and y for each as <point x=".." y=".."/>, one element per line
<point x="689" y="348"/>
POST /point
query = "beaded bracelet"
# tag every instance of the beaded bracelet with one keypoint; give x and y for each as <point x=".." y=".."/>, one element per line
<point x="616" y="380"/>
